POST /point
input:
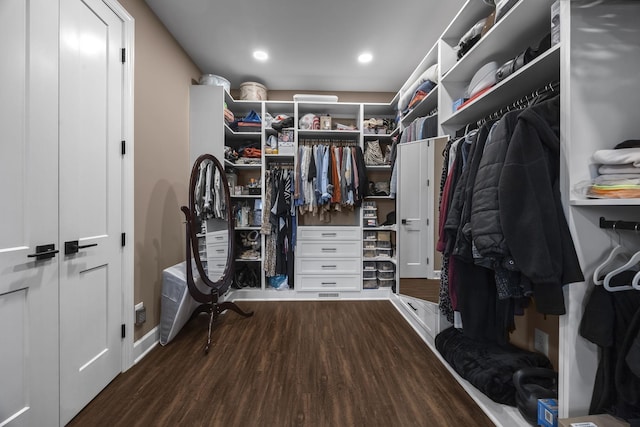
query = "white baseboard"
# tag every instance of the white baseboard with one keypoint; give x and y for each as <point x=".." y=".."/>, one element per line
<point x="145" y="344"/>
<point x="500" y="415"/>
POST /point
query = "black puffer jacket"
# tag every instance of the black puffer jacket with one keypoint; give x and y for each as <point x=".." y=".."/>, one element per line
<point x="485" y="212"/>
<point x="531" y="214"/>
<point x="460" y="211"/>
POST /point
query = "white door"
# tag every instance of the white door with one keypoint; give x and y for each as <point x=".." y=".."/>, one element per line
<point x="91" y="83"/>
<point x="413" y="208"/>
<point x="29" y="212"/>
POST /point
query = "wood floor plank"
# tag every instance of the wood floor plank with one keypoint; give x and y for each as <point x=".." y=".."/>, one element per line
<point x="294" y="363"/>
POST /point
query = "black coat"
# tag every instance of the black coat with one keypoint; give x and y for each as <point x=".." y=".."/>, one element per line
<point x="531" y="213"/>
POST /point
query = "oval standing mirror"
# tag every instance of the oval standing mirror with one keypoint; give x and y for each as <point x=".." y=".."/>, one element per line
<point x="209" y="239"/>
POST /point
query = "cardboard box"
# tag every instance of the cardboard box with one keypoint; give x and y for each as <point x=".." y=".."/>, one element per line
<point x="592" y="420"/>
<point x="548" y="412"/>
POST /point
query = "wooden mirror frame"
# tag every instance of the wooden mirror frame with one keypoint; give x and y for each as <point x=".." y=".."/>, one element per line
<point x="209" y="301"/>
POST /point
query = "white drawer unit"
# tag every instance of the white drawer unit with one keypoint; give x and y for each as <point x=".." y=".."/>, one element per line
<point x="217" y="249"/>
<point x="335" y="249"/>
<point x="426" y="312"/>
<point x="327" y="266"/>
<point x="311" y="282"/>
<point x="329" y="233"/>
<point x="329" y="258"/>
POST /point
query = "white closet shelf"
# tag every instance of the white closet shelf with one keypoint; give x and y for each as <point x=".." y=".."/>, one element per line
<point x="534" y="75"/>
<point x="243" y="165"/>
<point x="315" y="133"/>
<point x="236" y="134"/>
<point x="604" y="202"/>
<point x="429" y="103"/>
<point x="523" y="26"/>
<point x="469" y="14"/>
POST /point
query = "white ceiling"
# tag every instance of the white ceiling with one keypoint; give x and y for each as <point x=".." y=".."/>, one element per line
<point x="313" y="45"/>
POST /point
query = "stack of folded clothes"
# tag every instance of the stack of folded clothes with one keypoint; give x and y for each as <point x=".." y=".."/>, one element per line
<point x="619" y="172"/>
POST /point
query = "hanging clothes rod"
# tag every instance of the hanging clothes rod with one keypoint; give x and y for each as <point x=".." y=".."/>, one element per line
<point x="520" y="103"/>
<point x="619" y="225"/>
<point x="327" y="142"/>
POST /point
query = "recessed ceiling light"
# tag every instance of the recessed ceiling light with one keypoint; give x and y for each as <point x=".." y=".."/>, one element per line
<point x="261" y="55"/>
<point x="365" y="57"/>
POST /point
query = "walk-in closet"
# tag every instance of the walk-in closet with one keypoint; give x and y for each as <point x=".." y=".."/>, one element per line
<point x="443" y="236"/>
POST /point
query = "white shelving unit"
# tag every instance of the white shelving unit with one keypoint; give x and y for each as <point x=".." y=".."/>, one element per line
<point x="596" y="64"/>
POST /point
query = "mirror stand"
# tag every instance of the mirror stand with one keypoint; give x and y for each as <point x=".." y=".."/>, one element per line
<point x="209" y="167"/>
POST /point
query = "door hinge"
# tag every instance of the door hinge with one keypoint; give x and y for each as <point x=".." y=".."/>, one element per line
<point x="428" y="183"/>
<point x="124" y="55"/>
<point x="124" y="147"/>
<point x="123" y="330"/>
<point x="427" y="221"/>
<point x="122" y="239"/>
<point x="427" y="260"/>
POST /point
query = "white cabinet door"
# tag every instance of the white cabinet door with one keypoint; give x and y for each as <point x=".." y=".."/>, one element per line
<point x="413" y="209"/>
<point x="29" y="215"/>
<point x="91" y="90"/>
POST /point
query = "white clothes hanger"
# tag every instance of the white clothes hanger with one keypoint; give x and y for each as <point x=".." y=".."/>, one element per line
<point x="618" y="255"/>
<point x="633" y="262"/>
<point x="635" y="283"/>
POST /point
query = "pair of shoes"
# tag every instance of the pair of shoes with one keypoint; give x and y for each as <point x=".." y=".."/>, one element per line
<point x="250" y="254"/>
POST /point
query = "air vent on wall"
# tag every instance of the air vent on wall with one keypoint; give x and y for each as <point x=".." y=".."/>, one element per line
<point x="328" y="295"/>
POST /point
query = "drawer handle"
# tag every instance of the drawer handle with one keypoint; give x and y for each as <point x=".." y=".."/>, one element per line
<point x="329" y="266"/>
<point x="219" y="237"/>
<point x="414" y="309"/>
<point x="220" y="251"/>
<point x="329" y="283"/>
<point x="328" y="249"/>
<point x="329" y="234"/>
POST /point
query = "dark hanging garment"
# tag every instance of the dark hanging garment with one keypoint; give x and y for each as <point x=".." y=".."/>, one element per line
<point x="612" y="321"/>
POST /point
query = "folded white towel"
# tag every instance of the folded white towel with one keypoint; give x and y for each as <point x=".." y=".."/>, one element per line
<point x="618" y="169"/>
<point x="618" y="179"/>
<point x="618" y="157"/>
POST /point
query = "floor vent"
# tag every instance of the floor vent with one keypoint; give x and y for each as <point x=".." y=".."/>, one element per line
<point x="328" y="295"/>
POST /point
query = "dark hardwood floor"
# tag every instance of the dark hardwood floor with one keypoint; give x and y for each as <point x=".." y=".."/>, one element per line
<point x="326" y="363"/>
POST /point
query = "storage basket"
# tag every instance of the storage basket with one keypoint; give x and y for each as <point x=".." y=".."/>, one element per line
<point x="214" y="80"/>
<point x="370" y="235"/>
<point x="385" y="283"/>
<point x="370" y="283"/>
<point x="383" y="252"/>
<point x="383" y="244"/>
<point x="384" y="235"/>
<point x="386" y="275"/>
<point x="369" y="244"/>
<point x="369" y="253"/>
<point x="253" y="91"/>
<point x="369" y="274"/>
<point x="369" y="265"/>
<point x="384" y="266"/>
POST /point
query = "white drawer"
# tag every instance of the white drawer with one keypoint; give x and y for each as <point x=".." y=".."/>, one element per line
<point x="328" y="266"/>
<point x="329" y="233"/>
<point x="217" y="251"/>
<point x="426" y="312"/>
<point x="217" y="237"/>
<point x="308" y="282"/>
<point x="330" y="249"/>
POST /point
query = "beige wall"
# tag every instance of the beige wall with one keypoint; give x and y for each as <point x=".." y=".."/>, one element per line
<point x="163" y="74"/>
